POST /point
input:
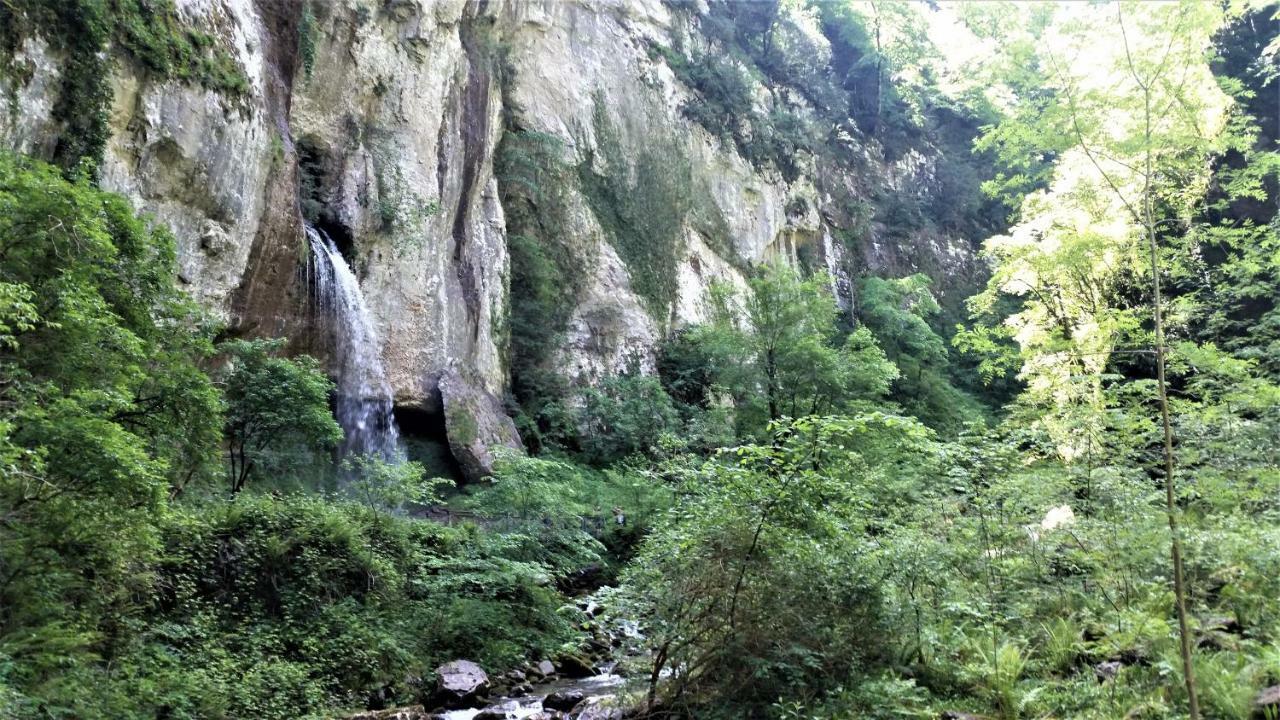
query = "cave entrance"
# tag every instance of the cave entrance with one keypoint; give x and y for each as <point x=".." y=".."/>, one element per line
<point x="422" y="432"/>
<point x="317" y="188"/>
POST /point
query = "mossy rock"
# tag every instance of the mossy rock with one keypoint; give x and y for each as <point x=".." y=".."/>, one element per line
<point x="477" y="427"/>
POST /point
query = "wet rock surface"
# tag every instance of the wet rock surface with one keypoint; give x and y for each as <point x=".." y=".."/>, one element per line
<point x="458" y="684"/>
<point x="564" y="700"/>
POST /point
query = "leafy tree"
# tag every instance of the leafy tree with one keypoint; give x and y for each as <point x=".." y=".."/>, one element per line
<point x="776" y="350"/>
<point x="275" y="406"/>
<point x="1135" y="139"/>
<point x="384" y="486"/>
<point x="625" y="415"/>
<point x="876" y="46"/>
<point x="103" y="407"/>
<point x="896" y="313"/>
<point x="757" y="582"/>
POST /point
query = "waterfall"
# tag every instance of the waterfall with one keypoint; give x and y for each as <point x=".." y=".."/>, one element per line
<point x="364" y="405"/>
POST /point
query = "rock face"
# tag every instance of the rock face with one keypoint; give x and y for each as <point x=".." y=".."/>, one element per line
<point x="459" y="683"/>
<point x="381" y="123"/>
<point x="478" y="429"/>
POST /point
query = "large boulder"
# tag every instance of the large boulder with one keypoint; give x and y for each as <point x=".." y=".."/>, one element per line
<point x="564" y="700"/>
<point x="478" y="428"/>
<point x="575" y="665"/>
<point x="459" y="684"/>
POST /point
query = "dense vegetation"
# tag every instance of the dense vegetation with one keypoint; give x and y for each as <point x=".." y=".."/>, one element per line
<point x="1066" y="506"/>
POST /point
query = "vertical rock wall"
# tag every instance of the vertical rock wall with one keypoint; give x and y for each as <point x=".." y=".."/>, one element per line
<point x="379" y="122"/>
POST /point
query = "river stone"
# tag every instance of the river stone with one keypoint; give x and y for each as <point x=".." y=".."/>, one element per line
<point x="564" y="700"/>
<point x="546" y="668"/>
<point x="576" y="666"/>
<point x="458" y="683"/>
<point x="1268" y="698"/>
<point x="597" y="708"/>
<point x="501" y="711"/>
<point x="478" y="428"/>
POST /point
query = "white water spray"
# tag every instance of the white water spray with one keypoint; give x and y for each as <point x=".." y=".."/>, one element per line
<point x="364" y="404"/>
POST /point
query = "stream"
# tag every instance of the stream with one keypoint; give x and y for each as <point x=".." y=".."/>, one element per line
<point x="594" y="689"/>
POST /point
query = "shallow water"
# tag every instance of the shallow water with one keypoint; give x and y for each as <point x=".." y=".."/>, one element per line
<point x="595" y="687"/>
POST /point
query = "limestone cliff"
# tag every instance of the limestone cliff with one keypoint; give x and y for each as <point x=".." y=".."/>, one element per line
<point x="381" y="121"/>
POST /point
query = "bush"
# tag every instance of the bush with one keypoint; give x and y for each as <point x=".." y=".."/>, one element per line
<point x="625" y="415"/>
<point x="288" y="607"/>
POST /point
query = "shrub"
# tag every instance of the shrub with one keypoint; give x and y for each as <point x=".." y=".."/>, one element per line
<point x="625" y="415"/>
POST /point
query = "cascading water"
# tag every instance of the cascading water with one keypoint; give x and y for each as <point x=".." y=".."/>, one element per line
<point x="364" y="405"/>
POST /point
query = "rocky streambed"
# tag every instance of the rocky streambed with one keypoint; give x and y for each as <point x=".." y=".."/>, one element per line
<point x="588" y="684"/>
<point x="463" y="692"/>
<point x="599" y="697"/>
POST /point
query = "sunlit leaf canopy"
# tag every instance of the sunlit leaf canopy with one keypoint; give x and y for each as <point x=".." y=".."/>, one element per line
<point x="1126" y="109"/>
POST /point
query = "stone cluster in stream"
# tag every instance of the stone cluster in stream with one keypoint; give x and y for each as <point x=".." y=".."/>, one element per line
<point x="578" y="685"/>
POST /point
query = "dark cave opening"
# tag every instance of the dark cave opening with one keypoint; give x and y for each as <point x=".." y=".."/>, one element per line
<point x="427" y="442"/>
<point x="316" y="183"/>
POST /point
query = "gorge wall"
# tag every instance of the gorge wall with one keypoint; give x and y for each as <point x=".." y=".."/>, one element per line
<point x="384" y="123"/>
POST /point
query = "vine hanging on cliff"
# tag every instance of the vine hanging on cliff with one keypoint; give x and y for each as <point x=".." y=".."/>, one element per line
<point x="83" y="32"/>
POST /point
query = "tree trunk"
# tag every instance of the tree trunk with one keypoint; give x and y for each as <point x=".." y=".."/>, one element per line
<point x="1170" y="497"/>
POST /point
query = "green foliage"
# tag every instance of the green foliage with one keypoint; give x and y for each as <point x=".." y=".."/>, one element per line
<point x="758" y="582"/>
<point x="776" y="352"/>
<point x="872" y="44"/>
<point x="548" y="273"/>
<point x="794" y="548"/>
<point x="384" y="486"/>
<point x="277" y="410"/>
<point x="104" y="409"/>
<point x="625" y="415"/>
<point x="641" y="197"/>
<point x="149" y="32"/>
<point x="897" y="312"/>
<point x="560" y="515"/>
<point x="290" y="607"/>
<point x="114" y="603"/>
